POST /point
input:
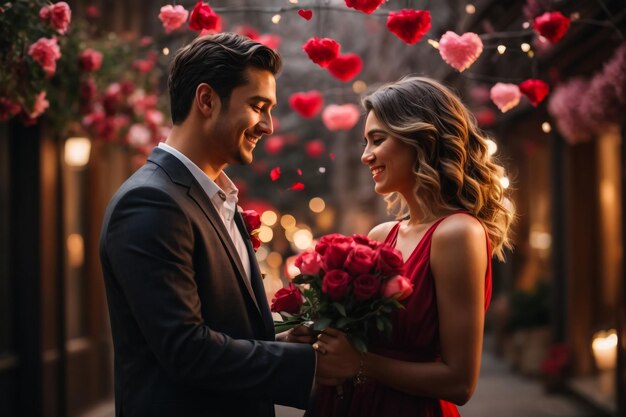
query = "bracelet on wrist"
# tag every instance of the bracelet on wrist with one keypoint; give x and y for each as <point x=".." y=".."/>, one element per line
<point x="360" y="377"/>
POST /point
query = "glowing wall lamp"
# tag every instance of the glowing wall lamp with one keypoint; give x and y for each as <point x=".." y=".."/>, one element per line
<point x="77" y="150"/>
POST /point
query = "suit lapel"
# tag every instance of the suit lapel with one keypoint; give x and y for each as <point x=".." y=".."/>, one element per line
<point x="181" y="175"/>
<point x="256" y="278"/>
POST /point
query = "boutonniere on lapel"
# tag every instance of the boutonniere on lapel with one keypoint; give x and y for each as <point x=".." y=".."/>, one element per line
<point x="252" y="221"/>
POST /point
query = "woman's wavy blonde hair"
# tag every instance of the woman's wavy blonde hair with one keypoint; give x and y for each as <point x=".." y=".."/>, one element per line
<point x="453" y="168"/>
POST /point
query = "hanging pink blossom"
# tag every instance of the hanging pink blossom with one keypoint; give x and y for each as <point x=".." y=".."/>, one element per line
<point x="409" y="25"/>
<point x="59" y="15"/>
<point x="173" y="17"/>
<point x="46" y="52"/>
<point x="340" y="117"/>
<point x="573" y="125"/>
<point x="551" y="25"/>
<point x="365" y="6"/>
<point x="505" y="96"/>
<point x="534" y="90"/>
<point x="345" y="67"/>
<point x="321" y="51"/>
<point x="460" y="52"/>
<point x="307" y="104"/>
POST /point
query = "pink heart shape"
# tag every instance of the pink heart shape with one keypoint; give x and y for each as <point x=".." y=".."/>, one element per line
<point x="505" y="96"/>
<point x="306" y="13"/>
<point x="460" y="52"/>
<point x="340" y="117"/>
<point x="307" y="104"/>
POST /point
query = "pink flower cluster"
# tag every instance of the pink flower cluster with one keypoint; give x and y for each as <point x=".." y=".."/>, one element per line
<point x="173" y="17"/>
<point x="46" y="53"/>
<point x="58" y="15"/>
<point x="90" y="60"/>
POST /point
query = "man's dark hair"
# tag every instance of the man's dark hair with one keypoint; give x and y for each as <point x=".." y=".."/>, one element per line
<point x="218" y="60"/>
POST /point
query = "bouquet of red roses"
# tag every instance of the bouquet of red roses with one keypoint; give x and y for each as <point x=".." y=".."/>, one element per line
<point x="351" y="283"/>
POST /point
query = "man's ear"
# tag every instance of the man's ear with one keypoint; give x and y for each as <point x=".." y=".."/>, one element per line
<point x="207" y="100"/>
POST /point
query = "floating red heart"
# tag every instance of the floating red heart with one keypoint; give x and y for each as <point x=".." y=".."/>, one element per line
<point x="321" y="51"/>
<point x="274" y="144"/>
<point x="297" y="186"/>
<point x="275" y="173"/>
<point x="551" y="25"/>
<point x="315" y="148"/>
<point x="307" y="104"/>
<point x="365" y="6"/>
<point x="409" y="25"/>
<point x="306" y="13"/>
<point x="534" y="90"/>
<point x="346" y="67"/>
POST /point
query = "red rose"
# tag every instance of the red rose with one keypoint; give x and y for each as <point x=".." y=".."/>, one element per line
<point x="203" y="17"/>
<point x="326" y="241"/>
<point x="309" y="262"/>
<point x="256" y="242"/>
<point x="252" y="220"/>
<point x="46" y="52"/>
<point x="59" y="15"/>
<point x="551" y="25"/>
<point x="288" y="300"/>
<point x="337" y="252"/>
<point x="360" y="260"/>
<point x="321" y="51"/>
<point x="364" y="240"/>
<point x="335" y="284"/>
<point x="365" y="287"/>
<point x="398" y="287"/>
<point x="389" y="261"/>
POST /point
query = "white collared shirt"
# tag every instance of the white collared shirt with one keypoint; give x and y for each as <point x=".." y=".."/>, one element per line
<point x="223" y="194"/>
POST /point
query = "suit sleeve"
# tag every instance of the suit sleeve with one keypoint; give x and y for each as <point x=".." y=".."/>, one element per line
<point x="149" y="246"/>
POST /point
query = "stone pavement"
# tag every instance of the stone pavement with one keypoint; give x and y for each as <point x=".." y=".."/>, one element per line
<point x="501" y="393"/>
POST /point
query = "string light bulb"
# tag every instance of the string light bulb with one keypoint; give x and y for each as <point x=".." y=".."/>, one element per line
<point x="293" y="1"/>
<point x="526" y="25"/>
<point x="433" y="43"/>
<point x="492" y="147"/>
<point x="276" y="19"/>
<point x="546" y="127"/>
<point x="530" y="54"/>
<point x="525" y="47"/>
<point x="501" y="49"/>
<point x="470" y="9"/>
<point x="166" y="51"/>
<point x="504" y="181"/>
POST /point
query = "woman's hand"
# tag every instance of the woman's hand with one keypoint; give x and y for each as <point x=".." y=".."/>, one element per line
<point x="298" y="334"/>
<point x="338" y="353"/>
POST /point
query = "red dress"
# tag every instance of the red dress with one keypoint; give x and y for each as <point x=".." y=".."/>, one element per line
<point x="415" y="338"/>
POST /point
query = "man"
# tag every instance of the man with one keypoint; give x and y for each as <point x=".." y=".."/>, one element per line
<point x="192" y="331"/>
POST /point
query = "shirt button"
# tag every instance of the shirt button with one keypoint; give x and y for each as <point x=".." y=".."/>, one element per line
<point x="222" y="195"/>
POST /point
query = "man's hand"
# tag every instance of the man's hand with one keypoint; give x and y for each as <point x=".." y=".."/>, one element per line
<point x="299" y="334"/>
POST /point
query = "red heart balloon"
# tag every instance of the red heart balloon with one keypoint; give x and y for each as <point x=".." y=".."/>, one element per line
<point x="315" y="148"/>
<point x="306" y="13"/>
<point x="307" y="104"/>
<point x="346" y="67"/>
<point x="535" y="90"/>
<point x="321" y="51"/>
<point x="551" y="25"/>
<point x="365" y="6"/>
<point x="409" y="25"/>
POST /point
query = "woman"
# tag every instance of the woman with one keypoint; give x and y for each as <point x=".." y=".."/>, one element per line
<point x="430" y="160"/>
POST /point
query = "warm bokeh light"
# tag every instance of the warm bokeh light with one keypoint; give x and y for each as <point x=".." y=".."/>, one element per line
<point x="265" y="233"/>
<point x="75" y="250"/>
<point x="604" y="346"/>
<point x="505" y="182"/>
<point x="288" y="221"/>
<point x="525" y="47"/>
<point x="531" y="54"/>
<point x="501" y="49"/>
<point x="546" y="127"/>
<point x="293" y="1"/>
<point x="302" y="239"/>
<point x="274" y="260"/>
<point x="262" y="252"/>
<point x="322" y="170"/>
<point x="359" y="86"/>
<point x="433" y="43"/>
<point x="291" y="270"/>
<point x="269" y="218"/>
<point x="276" y="19"/>
<point x="492" y="147"/>
<point x="77" y="151"/>
<point x="317" y="205"/>
<point x="166" y="51"/>
<point x="470" y="9"/>
<point x="540" y="240"/>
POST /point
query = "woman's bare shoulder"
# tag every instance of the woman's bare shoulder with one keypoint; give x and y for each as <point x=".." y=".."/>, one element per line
<point x="380" y="232"/>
